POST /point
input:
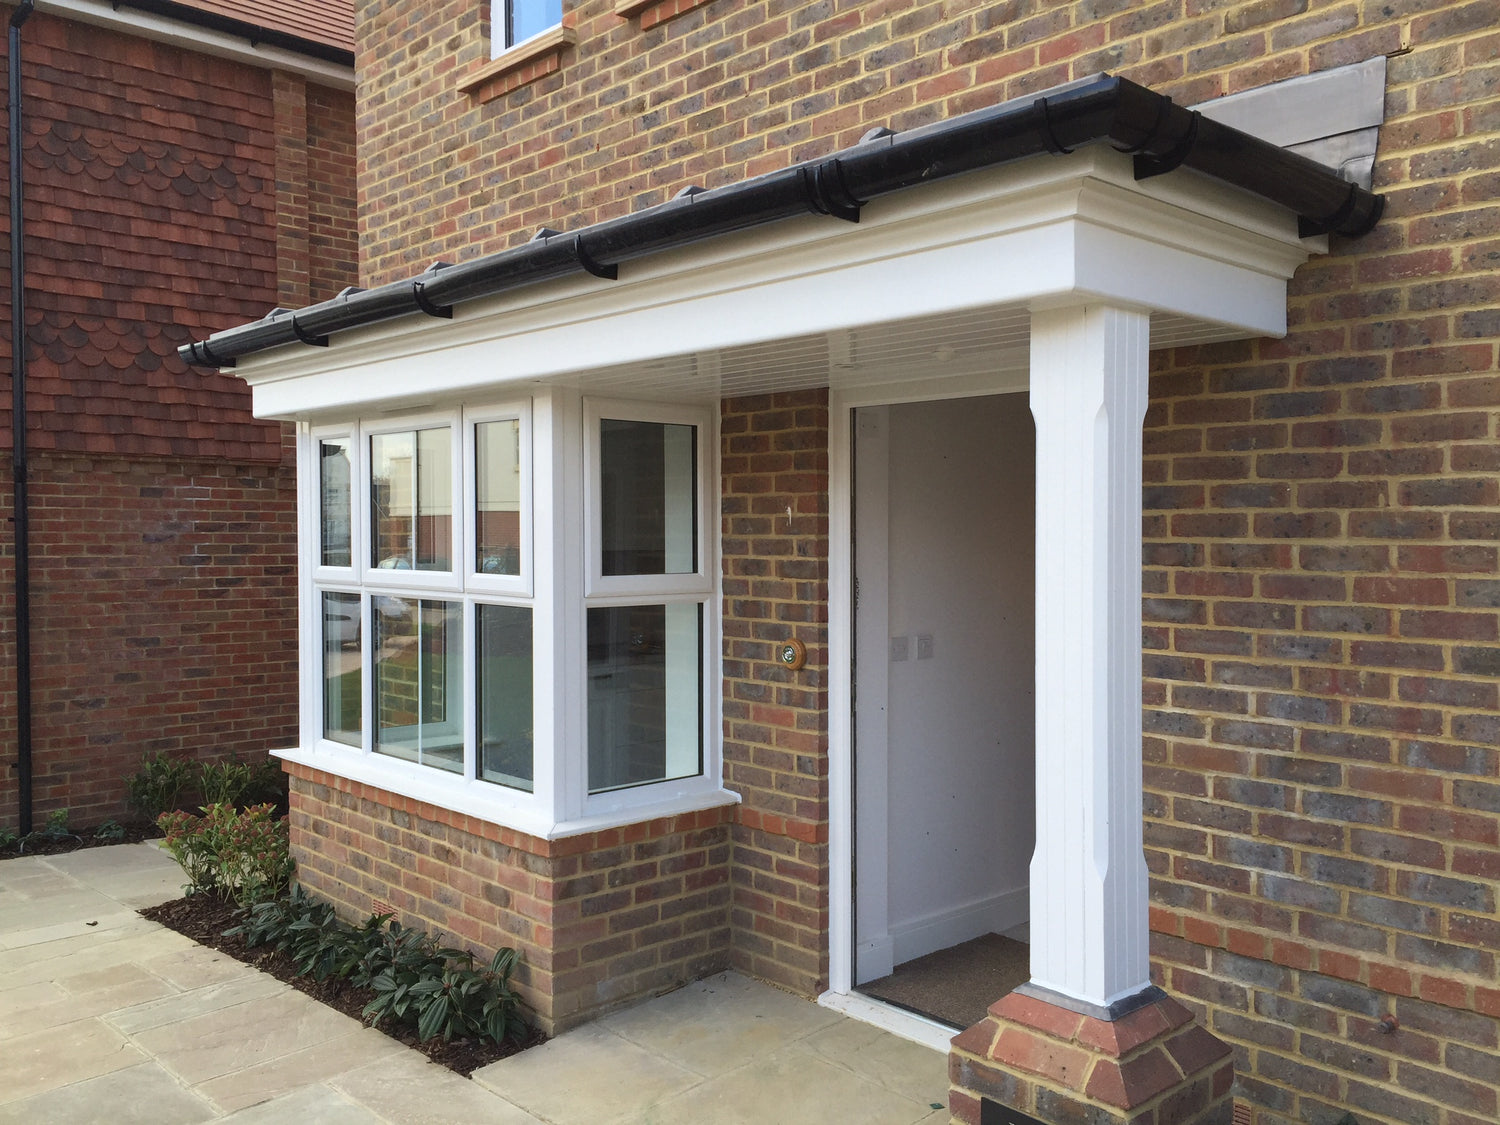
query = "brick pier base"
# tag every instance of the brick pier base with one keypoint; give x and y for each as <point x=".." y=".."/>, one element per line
<point x="1153" y="1066"/>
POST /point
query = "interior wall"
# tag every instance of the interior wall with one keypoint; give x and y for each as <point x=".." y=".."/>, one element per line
<point x="960" y="720"/>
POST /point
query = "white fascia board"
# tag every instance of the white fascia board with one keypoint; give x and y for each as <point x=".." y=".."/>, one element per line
<point x="1051" y="231"/>
<point x="202" y="40"/>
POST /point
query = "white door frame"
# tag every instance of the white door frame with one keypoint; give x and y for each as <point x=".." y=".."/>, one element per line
<point x="842" y="402"/>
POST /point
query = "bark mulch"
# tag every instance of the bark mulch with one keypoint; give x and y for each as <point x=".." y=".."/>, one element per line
<point x="204" y="918"/>
<point x="40" y="844"/>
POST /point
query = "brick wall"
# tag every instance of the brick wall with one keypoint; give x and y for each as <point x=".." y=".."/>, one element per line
<point x="164" y="617"/>
<point x="599" y="919"/>
<point x="1321" y="640"/>
<point x="163" y="514"/>
<point x="774" y="459"/>
<point x="333" y="231"/>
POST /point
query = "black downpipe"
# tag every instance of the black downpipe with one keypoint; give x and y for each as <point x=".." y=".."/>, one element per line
<point x="22" y="556"/>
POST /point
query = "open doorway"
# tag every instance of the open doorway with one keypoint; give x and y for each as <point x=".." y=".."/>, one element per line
<point x="943" y="748"/>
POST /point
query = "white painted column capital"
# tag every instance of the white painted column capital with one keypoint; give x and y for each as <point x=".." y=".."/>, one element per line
<point x="1088" y="874"/>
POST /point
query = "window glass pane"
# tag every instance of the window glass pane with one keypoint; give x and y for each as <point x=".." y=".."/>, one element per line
<point x="503" y="688"/>
<point x="648" y="497"/>
<point x="411" y="500"/>
<point x="341" y="668"/>
<point x="418" y="657"/>
<point x="334" y="471"/>
<point x="531" y="17"/>
<point x="497" y="497"/>
<point x="644" y="694"/>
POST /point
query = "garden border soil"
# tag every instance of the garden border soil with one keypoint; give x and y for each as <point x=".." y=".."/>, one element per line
<point x="205" y="917"/>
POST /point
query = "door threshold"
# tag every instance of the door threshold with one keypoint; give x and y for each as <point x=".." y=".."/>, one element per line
<point x="888" y="1017"/>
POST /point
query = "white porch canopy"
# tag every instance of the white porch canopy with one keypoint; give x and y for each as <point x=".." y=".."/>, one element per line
<point x="1055" y="273"/>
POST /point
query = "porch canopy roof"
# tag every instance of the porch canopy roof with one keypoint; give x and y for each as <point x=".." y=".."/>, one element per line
<point x="938" y="242"/>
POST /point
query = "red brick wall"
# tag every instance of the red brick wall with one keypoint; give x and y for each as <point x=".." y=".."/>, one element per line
<point x="150" y="180"/>
<point x="164" y="617"/>
<point x="599" y="918"/>
<point x="774" y="458"/>
<point x="163" y="514"/>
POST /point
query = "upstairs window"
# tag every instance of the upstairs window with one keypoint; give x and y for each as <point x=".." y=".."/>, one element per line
<point x="521" y="20"/>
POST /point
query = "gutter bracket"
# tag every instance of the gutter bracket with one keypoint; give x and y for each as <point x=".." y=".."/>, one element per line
<point x="1147" y="166"/>
<point x="828" y="194"/>
<point x="428" y="305"/>
<point x="307" y="337"/>
<point x="202" y="349"/>
<point x="586" y="260"/>
<point x="1044" y="129"/>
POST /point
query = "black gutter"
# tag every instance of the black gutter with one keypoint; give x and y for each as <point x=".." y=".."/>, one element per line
<point x="19" y="469"/>
<point x="1160" y="134"/>
<point x="257" y="35"/>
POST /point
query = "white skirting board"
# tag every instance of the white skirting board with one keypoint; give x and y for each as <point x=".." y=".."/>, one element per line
<point x="993" y="915"/>
<point x="1004" y="913"/>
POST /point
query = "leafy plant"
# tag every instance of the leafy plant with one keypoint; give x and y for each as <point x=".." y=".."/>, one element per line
<point x="7" y="838"/>
<point x="157" y="787"/>
<point x="246" y="855"/>
<point x="224" y="783"/>
<point x="111" y="831"/>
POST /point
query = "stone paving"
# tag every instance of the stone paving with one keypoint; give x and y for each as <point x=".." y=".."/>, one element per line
<point x="106" y="1017"/>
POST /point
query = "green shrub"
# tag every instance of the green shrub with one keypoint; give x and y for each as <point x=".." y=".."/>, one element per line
<point x="245" y="855"/>
<point x="111" y="831"/>
<point x="416" y="981"/>
<point x="224" y="783"/>
<point x="157" y="787"/>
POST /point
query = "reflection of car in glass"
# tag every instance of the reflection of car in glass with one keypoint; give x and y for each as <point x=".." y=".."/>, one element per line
<point x="393" y="610"/>
<point x="341" y="624"/>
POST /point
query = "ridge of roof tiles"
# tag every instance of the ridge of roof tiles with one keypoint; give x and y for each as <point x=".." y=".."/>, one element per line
<point x="330" y="22"/>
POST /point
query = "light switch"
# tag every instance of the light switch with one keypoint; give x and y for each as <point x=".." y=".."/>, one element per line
<point x="900" y="648"/>
<point x="924" y="646"/>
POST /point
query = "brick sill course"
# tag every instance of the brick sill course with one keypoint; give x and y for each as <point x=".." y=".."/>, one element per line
<point x="653" y="12"/>
<point x="526" y="62"/>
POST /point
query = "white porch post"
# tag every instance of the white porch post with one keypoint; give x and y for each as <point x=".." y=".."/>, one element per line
<point x="1088" y="874"/>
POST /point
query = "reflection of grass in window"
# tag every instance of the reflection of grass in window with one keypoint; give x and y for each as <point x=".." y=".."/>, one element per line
<point x="341" y="706"/>
<point x="505" y="727"/>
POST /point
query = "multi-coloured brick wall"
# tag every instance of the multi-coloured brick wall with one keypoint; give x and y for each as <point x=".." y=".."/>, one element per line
<point x="599" y="918"/>
<point x="163" y="514"/>
<point x="1323" y="804"/>
<point x="774" y="497"/>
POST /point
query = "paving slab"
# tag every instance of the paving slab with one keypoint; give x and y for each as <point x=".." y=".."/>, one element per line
<point x="60" y="1056"/>
<point x="408" y="1090"/>
<point x="144" y="1094"/>
<point x="789" y="1087"/>
<point x="287" y="1073"/>
<point x="246" y="1035"/>
<point x="125" y="1022"/>
<point x="715" y="1024"/>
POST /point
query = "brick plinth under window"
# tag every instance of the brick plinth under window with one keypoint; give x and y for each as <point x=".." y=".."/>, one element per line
<point x="599" y="919"/>
<point x="1154" y="1066"/>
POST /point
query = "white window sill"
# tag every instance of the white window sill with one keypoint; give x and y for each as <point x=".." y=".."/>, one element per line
<point x="482" y="799"/>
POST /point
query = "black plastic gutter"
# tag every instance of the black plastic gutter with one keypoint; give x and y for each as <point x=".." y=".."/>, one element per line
<point x="1108" y="110"/>
<point x="240" y="29"/>
<point x="20" y="502"/>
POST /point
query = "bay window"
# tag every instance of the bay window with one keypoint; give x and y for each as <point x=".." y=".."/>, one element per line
<point x="448" y="664"/>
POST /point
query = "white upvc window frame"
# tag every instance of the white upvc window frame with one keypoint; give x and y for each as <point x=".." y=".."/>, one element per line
<point x="636" y="588"/>
<point x="501" y="39"/>
<point x="448" y="581"/>
<point x="559" y="534"/>
<point x="699" y="586"/>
